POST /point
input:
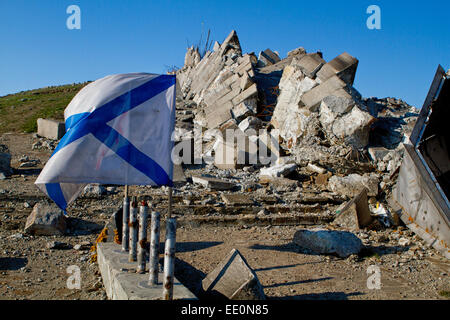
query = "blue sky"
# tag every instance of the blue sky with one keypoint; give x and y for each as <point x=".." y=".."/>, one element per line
<point x="399" y="60"/>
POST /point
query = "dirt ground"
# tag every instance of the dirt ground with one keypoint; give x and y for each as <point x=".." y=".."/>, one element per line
<point x="30" y="270"/>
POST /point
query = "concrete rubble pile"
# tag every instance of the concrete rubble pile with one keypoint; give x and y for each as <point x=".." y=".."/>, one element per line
<point x="327" y="131"/>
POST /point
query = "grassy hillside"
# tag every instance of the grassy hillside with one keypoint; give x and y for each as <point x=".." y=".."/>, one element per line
<point x="19" y="112"/>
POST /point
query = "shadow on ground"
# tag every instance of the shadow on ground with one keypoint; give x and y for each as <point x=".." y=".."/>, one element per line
<point x="297" y="282"/>
<point x="194" y="246"/>
<point x="321" y="296"/>
<point x="82" y="227"/>
<point x="12" y="263"/>
<point x="190" y="277"/>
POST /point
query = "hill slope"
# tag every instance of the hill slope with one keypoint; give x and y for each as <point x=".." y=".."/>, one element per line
<point x="19" y="112"/>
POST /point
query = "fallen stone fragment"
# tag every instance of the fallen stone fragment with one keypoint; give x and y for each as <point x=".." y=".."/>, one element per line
<point x="237" y="199"/>
<point x="233" y="279"/>
<point x="323" y="241"/>
<point x="93" y="190"/>
<point x="278" y="182"/>
<point x="213" y="183"/>
<point x="29" y="164"/>
<point x="46" y="220"/>
<point x="316" y="168"/>
<point x="355" y="214"/>
<point x="352" y="185"/>
<point x="50" y="129"/>
<point x="310" y="64"/>
<point x="278" y="170"/>
<point x="344" y="66"/>
<point x="56" y="245"/>
<point x="332" y="86"/>
<point x="250" y="123"/>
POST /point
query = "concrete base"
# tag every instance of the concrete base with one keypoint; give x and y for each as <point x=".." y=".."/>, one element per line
<point x="123" y="283"/>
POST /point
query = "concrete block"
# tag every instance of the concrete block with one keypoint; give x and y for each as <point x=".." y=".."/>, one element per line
<point x="50" y="129"/>
<point x="278" y="170"/>
<point x="213" y="183"/>
<point x="123" y="283"/>
<point x="245" y="82"/>
<point x="314" y="97"/>
<point x="355" y="214"/>
<point x="250" y="92"/>
<point x="298" y="51"/>
<point x="46" y="220"/>
<point x="221" y="114"/>
<point x="237" y="199"/>
<point x="234" y="279"/>
<point x="344" y="66"/>
<point x="310" y="64"/>
<point x="244" y="109"/>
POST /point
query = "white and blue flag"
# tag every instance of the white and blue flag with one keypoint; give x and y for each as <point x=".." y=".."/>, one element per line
<point x="118" y="131"/>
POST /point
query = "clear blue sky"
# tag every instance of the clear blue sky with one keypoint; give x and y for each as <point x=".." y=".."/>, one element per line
<point x="399" y="60"/>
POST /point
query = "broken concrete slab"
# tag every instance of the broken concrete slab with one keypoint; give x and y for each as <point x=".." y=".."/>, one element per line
<point x="353" y="184"/>
<point x="50" y="129"/>
<point x="244" y="109"/>
<point x="233" y="279"/>
<point x="278" y="170"/>
<point x="344" y="66"/>
<point x="213" y="183"/>
<point x="310" y="64"/>
<point x="46" y="220"/>
<point x="315" y="168"/>
<point x="298" y="51"/>
<point x="267" y="58"/>
<point x="314" y="97"/>
<point x="355" y="214"/>
<point x="354" y="128"/>
<point x="123" y="283"/>
<point x="250" y="123"/>
<point x="323" y="241"/>
<point x="278" y="182"/>
<point x="239" y="199"/>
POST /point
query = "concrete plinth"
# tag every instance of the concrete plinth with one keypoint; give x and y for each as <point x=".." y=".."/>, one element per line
<point x="123" y="283"/>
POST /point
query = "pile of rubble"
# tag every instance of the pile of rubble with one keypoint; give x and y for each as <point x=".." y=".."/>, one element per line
<point x="313" y="125"/>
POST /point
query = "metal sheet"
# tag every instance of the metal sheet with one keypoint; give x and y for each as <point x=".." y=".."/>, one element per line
<point x="424" y="112"/>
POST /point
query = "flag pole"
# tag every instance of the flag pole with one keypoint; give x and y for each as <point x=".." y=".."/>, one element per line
<point x="169" y="213"/>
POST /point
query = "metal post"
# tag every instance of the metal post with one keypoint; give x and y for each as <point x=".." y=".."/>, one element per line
<point x="169" y="258"/>
<point x="143" y="215"/>
<point x="169" y="213"/>
<point x="133" y="231"/>
<point x="154" y="249"/>
<point x="125" y="220"/>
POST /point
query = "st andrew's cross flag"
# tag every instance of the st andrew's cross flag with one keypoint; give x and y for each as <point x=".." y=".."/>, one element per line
<point x="118" y="131"/>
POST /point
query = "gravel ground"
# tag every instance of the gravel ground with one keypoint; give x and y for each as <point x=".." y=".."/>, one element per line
<point x="30" y="270"/>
